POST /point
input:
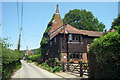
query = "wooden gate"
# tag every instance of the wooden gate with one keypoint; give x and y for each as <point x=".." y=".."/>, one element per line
<point x="78" y="68"/>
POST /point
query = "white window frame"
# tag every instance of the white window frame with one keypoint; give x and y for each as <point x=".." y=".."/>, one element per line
<point x="70" y="37"/>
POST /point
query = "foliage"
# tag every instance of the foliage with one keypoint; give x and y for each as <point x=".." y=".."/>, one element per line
<point x="116" y="22"/>
<point x="52" y="65"/>
<point x="34" y="57"/>
<point x="83" y="19"/>
<point x="104" y="56"/>
<point x="57" y="69"/>
<point x="36" y="63"/>
<point x="9" y="56"/>
<point x="35" y="51"/>
<point x="8" y="69"/>
<point x="51" y="69"/>
<point x="117" y="28"/>
<point x="10" y="60"/>
<point x="43" y="45"/>
<point x="29" y="61"/>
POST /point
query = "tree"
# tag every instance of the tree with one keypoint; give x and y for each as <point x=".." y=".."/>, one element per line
<point x="116" y="22"/>
<point x="83" y="19"/>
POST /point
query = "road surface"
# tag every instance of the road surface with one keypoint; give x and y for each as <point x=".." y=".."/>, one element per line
<point x="29" y="70"/>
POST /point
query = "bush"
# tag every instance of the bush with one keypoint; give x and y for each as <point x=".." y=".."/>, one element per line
<point x="10" y="60"/>
<point x="29" y="61"/>
<point x="104" y="56"/>
<point x="36" y="63"/>
<point x="34" y="58"/>
<point x="52" y="65"/>
<point x="57" y="69"/>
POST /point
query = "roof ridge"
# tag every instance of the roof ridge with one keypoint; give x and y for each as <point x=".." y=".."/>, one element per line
<point x="82" y="30"/>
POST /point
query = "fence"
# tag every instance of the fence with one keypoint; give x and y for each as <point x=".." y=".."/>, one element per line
<point x="79" y="68"/>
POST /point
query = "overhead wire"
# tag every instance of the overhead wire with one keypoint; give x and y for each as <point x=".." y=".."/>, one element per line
<point x="18" y="14"/>
<point x="22" y="15"/>
<point x="22" y="24"/>
<point x="20" y="19"/>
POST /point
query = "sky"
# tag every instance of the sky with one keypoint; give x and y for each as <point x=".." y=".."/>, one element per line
<point x="36" y="16"/>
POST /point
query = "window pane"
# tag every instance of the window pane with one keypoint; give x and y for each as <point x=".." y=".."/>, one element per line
<point x="77" y="55"/>
<point x="76" y="37"/>
<point x="70" y="36"/>
<point x="50" y="42"/>
<point x="73" y="55"/>
<point x="81" y="38"/>
<point x="73" y="38"/>
<point x="54" y="39"/>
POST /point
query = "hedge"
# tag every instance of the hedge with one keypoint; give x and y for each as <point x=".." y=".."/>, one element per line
<point x="104" y="56"/>
<point x="34" y="57"/>
<point x="10" y="60"/>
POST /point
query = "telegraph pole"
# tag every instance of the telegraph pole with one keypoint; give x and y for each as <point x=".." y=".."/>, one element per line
<point x="18" y="48"/>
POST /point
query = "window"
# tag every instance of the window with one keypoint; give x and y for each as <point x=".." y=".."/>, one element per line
<point x="54" y="39"/>
<point x="77" y="38"/>
<point x="51" y="43"/>
<point x="58" y="50"/>
<point x="70" y="37"/>
<point x="80" y="37"/>
<point x="80" y="55"/>
<point x="73" y="37"/>
<point x="70" y="55"/>
<point x="75" y="55"/>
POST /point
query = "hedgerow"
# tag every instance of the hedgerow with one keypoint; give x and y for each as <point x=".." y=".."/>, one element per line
<point x="10" y="60"/>
<point x="104" y="56"/>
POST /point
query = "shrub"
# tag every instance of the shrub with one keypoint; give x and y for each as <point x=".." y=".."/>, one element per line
<point x="36" y="63"/>
<point x="29" y="61"/>
<point x="104" y="56"/>
<point x="10" y="60"/>
<point x="34" y="58"/>
<point x="57" y="69"/>
<point x="48" y="65"/>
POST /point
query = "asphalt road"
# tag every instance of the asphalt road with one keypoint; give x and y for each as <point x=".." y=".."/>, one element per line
<point x="29" y="70"/>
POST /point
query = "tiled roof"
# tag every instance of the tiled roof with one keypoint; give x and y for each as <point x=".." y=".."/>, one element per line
<point x="73" y="30"/>
<point x="58" y="27"/>
<point x="57" y="21"/>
